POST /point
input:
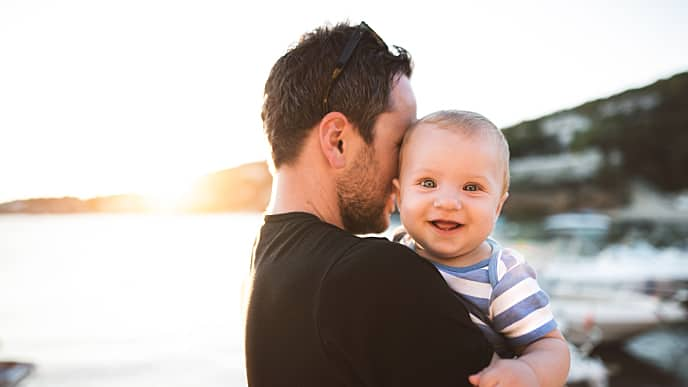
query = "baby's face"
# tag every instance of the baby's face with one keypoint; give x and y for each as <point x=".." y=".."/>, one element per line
<point x="449" y="190"/>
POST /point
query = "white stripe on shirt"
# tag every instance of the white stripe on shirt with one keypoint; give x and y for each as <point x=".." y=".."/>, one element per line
<point x="534" y="319"/>
<point x="468" y="287"/>
<point x="516" y="294"/>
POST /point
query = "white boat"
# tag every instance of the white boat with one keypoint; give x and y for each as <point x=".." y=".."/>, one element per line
<point x="592" y="316"/>
<point x="576" y="252"/>
<point x="614" y="292"/>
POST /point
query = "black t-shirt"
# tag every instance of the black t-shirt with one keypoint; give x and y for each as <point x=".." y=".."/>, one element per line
<point x="327" y="308"/>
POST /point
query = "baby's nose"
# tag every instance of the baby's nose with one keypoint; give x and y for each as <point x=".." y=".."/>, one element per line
<point x="447" y="202"/>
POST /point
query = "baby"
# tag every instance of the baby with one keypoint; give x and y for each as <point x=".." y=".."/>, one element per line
<point x="453" y="181"/>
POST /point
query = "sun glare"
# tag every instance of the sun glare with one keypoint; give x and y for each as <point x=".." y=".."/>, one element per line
<point x="169" y="197"/>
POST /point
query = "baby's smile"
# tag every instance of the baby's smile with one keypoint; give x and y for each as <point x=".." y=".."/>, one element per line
<point x="446" y="225"/>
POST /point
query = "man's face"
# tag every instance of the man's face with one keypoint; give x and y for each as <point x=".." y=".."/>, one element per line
<point x="364" y="191"/>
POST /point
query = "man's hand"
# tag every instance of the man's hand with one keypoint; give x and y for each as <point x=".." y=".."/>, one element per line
<point x="505" y="373"/>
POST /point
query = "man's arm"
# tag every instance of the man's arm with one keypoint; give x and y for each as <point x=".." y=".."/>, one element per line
<point x="387" y="318"/>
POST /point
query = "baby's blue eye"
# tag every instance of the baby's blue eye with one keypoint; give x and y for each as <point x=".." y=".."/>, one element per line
<point x="428" y="183"/>
<point x="471" y="187"/>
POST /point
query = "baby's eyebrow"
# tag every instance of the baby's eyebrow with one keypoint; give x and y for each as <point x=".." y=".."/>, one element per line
<point x="477" y="177"/>
<point x="422" y="170"/>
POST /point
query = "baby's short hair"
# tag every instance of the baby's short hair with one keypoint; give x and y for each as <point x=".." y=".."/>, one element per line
<point x="468" y="124"/>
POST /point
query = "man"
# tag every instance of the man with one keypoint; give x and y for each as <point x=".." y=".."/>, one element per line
<point x="325" y="307"/>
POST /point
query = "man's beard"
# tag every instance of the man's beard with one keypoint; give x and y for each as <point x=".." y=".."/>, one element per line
<point x="362" y="198"/>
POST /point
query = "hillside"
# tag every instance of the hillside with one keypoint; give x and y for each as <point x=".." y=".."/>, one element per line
<point x="244" y="188"/>
<point x="592" y="156"/>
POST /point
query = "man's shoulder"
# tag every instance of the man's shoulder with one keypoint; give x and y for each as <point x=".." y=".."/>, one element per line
<point x="382" y="307"/>
<point x="376" y="261"/>
<point x="380" y="251"/>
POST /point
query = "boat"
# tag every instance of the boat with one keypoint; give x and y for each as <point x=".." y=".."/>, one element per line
<point x="614" y="291"/>
<point x="12" y="372"/>
<point x="578" y="252"/>
<point x="591" y="316"/>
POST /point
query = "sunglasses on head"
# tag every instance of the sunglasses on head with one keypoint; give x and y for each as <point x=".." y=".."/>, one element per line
<point x="346" y="55"/>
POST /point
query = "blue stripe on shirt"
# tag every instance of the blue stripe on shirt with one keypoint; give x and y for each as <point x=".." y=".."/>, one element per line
<point x="461" y="270"/>
<point x="512" y="278"/>
<point x="520" y="310"/>
<point x="482" y="303"/>
<point x="534" y="334"/>
<point x="479" y="275"/>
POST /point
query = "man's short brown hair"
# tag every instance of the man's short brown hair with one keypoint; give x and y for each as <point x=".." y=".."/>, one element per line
<point x="299" y="80"/>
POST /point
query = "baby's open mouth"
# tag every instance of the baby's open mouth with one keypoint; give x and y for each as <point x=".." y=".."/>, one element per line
<point x="445" y="225"/>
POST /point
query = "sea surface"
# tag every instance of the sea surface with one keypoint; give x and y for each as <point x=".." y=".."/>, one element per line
<point x="125" y="300"/>
<point x="155" y="300"/>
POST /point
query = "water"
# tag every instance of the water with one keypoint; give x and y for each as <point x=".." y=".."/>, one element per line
<point x="135" y="300"/>
<point x="155" y="300"/>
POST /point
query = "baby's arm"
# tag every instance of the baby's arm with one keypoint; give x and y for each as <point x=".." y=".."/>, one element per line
<point x="543" y="363"/>
<point x="549" y="358"/>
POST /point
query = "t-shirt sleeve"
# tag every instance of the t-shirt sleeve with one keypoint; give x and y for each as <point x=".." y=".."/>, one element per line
<point x="387" y="318"/>
<point x="519" y="308"/>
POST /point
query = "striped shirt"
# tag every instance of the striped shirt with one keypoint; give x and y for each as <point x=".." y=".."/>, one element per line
<point x="502" y="296"/>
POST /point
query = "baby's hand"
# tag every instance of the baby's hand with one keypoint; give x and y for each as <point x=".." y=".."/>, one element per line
<point x="505" y="373"/>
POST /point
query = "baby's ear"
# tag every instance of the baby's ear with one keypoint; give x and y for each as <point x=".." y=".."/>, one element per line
<point x="396" y="190"/>
<point x="501" y="203"/>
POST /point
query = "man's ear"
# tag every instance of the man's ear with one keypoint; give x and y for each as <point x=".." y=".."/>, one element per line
<point x="331" y="133"/>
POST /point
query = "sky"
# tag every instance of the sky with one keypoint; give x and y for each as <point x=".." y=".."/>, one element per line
<point x="145" y="96"/>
